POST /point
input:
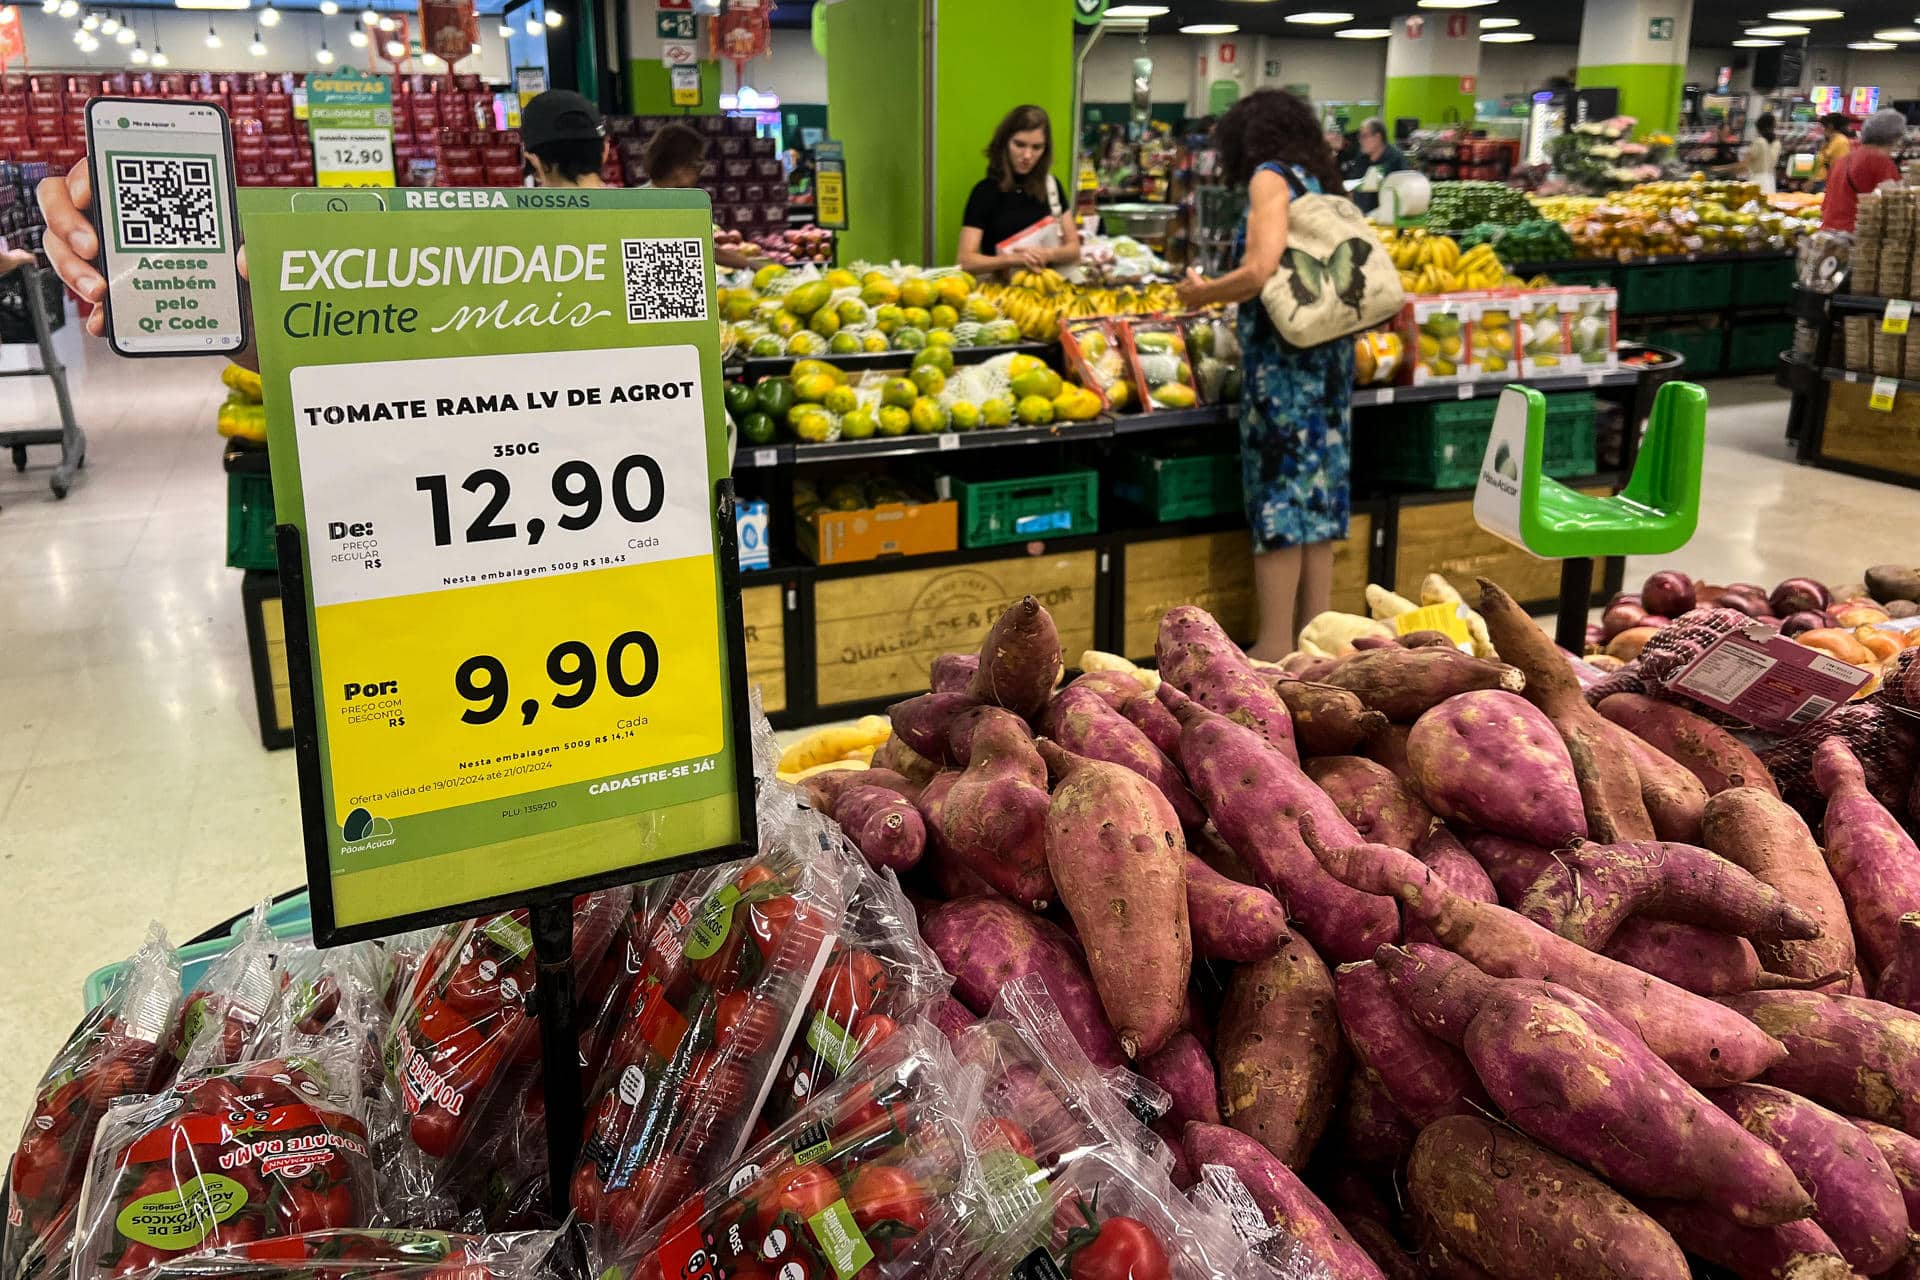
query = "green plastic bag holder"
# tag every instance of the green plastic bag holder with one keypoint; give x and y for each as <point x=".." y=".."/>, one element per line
<point x="1654" y="515"/>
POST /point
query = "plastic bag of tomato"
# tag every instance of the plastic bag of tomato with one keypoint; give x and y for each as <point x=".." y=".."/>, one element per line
<point x="274" y="1147"/>
<point x="369" y="1253"/>
<point x="116" y="1050"/>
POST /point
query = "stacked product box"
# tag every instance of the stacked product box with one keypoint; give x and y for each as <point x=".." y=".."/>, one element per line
<point x="1508" y="333"/>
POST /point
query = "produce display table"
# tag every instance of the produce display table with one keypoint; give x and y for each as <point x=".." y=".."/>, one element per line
<point x="1833" y="420"/>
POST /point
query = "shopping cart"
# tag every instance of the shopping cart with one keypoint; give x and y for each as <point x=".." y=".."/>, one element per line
<point x="31" y="309"/>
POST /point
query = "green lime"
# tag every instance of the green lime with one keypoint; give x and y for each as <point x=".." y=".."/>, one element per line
<point x="757" y="428"/>
<point x="739" y="398"/>
<point x="775" y="397"/>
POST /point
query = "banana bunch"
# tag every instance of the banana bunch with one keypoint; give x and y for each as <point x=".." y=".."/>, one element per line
<point x="1038" y="315"/>
<point x="1046" y="282"/>
<point x="1434" y="264"/>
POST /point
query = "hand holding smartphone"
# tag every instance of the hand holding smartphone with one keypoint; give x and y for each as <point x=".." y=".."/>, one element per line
<point x="163" y="208"/>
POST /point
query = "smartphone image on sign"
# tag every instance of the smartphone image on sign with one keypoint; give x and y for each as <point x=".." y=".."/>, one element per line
<point x="163" y="205"/>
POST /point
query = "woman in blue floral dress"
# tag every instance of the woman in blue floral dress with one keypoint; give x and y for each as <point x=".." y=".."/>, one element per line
<point x="1295" y="403"/>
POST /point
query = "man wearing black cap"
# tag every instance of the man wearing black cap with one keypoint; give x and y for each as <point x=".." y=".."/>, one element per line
<point x="563" y="139"/>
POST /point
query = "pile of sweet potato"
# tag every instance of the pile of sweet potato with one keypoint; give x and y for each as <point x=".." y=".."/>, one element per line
<point x="1462" y="974"/>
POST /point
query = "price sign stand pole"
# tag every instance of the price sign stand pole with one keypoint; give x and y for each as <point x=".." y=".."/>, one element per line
<point x="1576" y="595"/>
<point x="559" y="1046"/>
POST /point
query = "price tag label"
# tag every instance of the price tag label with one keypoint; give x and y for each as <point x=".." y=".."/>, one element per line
<point x="1894" y="318"/>
<point x="1464" y="391"/>
<point x="350" y="119"/>
<point x="1881" y="395"/>
<point x="1596" y="376"/>
<point x="487" y="418"/>
<point x="1768" y="681"/>
<point x="949" y="442"/>
<point x="1383" y="396"/>
<point x="766" y="457"/>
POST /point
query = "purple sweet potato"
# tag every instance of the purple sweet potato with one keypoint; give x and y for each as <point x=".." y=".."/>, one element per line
<point x="952" y="672"/>
<point x="1899" y="982"/>
<point x="1146" y="714"/>
<point x="1079" y="720"/>
<point x="992" y="820"/>
<point x="1873" y="859"/>
<point x="1713" y="755"/>
<point x="1199" y="660"/>
<point x="1512" y="865"/>
<point x="1609" y="778"/>
<point x="1328" y="720"/>
<point x="951" y="1017"/>
<point x="1797" y="1250"/>
<point x="1281" y="1197"/>
<point x="897" y="756"/>
<point x="1491" y="760"/>
<point x="1520" y="1212"/>
<point x="1370" y="1222"/>
<point x="1369" y="1128"/>
<point x="1763" y="834"/>
<point x="986" y="943"/>
<point x="1856" y="1200"/>
<point x="1181" y="1067"/>
<point x="1372" y="799"/>
<point x="1389" y="748"/>
<point x="1402" y="684"/>
<point x="1112" y="687"/>
<point x="1119" y="864"/>
<point x="1426" y="1077"/>
<point x="1673" y="796"/>
<point x="1902" y="1153"/>
<point x="1020" y="659"/>
<point x="1450" y="860"/>
<point x="883" y="825"/>
<point x="1256" y="797"/>
<point x="1230" y="920"/>
<point x="1853" y="1054"/>
<point x="825" y="788"/>
<point x="1703" y="961"/>
<point x="1693" y="1035"/>
<point x="921" y="723"/>
<point x="1589" y="890"/>
<point x="1279" y="1052"/>
<point x="1571" y="1075"/>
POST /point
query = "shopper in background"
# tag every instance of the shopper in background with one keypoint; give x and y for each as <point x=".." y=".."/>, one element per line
<point x="1018" y="216"/>
<point x="563" y="140"/>
<point x="1838" y="143"/>
<point x="1378" y="158"/>
<point x="675" y="157"/>
<point x="1762" y="155"/>
<point x="1295" y="403"/>
<point x="1862" y="169"/>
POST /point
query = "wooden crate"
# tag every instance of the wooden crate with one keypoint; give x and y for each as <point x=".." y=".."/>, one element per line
<point x="876" y="636"/>
<point x="764" y="611"/>
<point x="1867" y="437"/>
<point x="1215" y="571"/>
<point x="1441" y="537"/>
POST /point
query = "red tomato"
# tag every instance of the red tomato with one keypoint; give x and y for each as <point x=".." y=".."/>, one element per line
<point x="138" y="1257"/>
<point x="859" y="1115"/>
<point x="716" y="1083"/>
<point x="872" y="1029"/>
<point x="39" y="1166"/>
<point x="435" y="1132"/>
<point x="1124" y="1250"/>
<point x="770" y="922"/>
<point x="887" y="1193"/>
<point x="850" y="987"/>
<point x="997" y="1130"/>
<point x="744" y="1024"/>
<point x="800" y="1190"/>
<point x="302" y="1209"/>
<point x="589" y="1193"/>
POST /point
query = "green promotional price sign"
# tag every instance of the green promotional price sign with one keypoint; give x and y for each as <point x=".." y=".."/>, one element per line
<point x="830" y="185"/>
<point x="497" y="436"/>
<point x="350" y="119"/>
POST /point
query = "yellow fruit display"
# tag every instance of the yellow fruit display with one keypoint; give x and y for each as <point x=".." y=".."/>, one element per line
<point x="966" y="415"/>
<point x="806" y="343"/>
<point x="939" y="357"/>
<point x="917" y="292"/>
<point x="1075" y="404"/>
<point x="918" y="317"/>
<point x="841" y="399"/>
<point x="825" y="322"/>
<point x="873" y="342"/>
<point x="979" y="308"/>
<point x="809" y="298"/>
<point x="1042" y="382"/>
<point x="929" y="416"/>
<point x="997" y="412"/>
<point x="888" y="317"/>
<point x="844" y="343"/>
<point x="810" y="368"/>
<point x="899" y="391"/>
<point x="1175" y="395"/>
<point x="811" y="423"/>
<point x="940" y="338"/>
<point x="813" y="387"/>
<point x="1034" y="410"/>
<point x="929" y="379"/>
<point x="942" y="316"/>
<point x="853" y="312"/>
<point x="767" y="275"/>
<point x="881" y="292"/>
<point x="786" y="324"/>
<point x="841" y="278"/>
<point x="859" y="424"/>
<point x="893" y="420"/>
<point x="953" y="289"/>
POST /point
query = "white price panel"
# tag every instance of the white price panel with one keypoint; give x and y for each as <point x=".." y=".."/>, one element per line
<point x="1464" y="391"/>
<point x="499" y="468"/>
<point x="1882" y="394"/>
<point x="1894" y="319"/>
<point x="353" y="150"/>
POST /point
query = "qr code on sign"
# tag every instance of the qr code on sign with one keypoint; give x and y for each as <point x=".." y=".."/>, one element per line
<point x="666" y="280"/>
<point x="166" y="202"/>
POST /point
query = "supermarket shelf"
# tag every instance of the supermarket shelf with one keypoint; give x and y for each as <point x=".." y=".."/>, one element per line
<point x="775" y="366"/>
<point x="1204" y="415"/>
<point x="1855" y="302"/>
<point x="1849" y="375"/>
<point x="1371" y="396"/>
<point x="1654" y="260"/>
<point x="950" y="442"/>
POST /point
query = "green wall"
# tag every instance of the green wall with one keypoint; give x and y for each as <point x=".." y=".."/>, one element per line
<point x="1650" y="93"/>
<point x="875" y="88"/>
<point x="991" y="56"/>
<point x="650" y="89"/>
<point x="1432" y="100"/>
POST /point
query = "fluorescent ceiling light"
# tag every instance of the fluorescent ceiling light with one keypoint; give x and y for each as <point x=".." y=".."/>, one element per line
<point x="1497" y="24"/>
<point x="1873" y="46"/>
<point x="1806" y="15"/>
<point x="553" y="18"/>
<point x="1780" y="29"/>
<point x="124" y="35"/>
<point x="395" y="49"/>
<point x="1137" y="11"/>
<point x="1757" y="44"/>
<point x="1505" y="37"/>
<point x="506" y="30"/>
<point x="138" y="57"/>
<point x="212" y="4"/>
<point x="323" y="55"/>
<point x="1898" y="33"/>
<point x="1363" y="33"/>
<point x="259" y="47"/>
<point x="1210" y="29"/>
<point x="108" y="25"/>
<point x="1453" y="4"/>
<point x="1319" y="18"/>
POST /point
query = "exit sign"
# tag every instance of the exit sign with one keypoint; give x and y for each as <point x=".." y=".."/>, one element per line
<point x="1659" y="28"/>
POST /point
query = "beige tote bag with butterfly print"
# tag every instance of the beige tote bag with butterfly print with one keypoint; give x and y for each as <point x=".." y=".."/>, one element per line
<point x="1335" y="277"/>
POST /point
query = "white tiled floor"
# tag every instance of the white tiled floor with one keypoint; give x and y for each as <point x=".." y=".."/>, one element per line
<point x="132" y="782"/>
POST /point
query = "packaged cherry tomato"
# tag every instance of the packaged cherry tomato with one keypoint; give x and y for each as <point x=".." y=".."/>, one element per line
<point x="465" y="1046"/>
<point x="273" y="1147"/>
<point x="117" y="1050"/>
<point x="368" y="1254"/>
<point x="880" y="975"/>
<point x="875" y="1179"/>
<point x="226" y="1018"/>
<point x="731" y="955"/>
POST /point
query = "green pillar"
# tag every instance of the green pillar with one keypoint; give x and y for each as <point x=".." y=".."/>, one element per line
<point x="1432" y="100"/>
<point x="1433" y="66"/>
<point x="1640" y="48"/>
<point x="875" y="87"/>
<point x="1649" y="92"/>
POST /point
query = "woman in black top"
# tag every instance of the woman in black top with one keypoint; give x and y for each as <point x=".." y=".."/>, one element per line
<point x="1018" y="191"/>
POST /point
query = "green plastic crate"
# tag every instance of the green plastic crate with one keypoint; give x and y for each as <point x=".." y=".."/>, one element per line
<point x="1440" y="446"/>
<point x="1179" y="485"/>
<point x="1764" y="284"/>
<point x="1571" y="447"/>
<point x="1062" y="505"/>
<point x="250" y="520"/>
<point x="1649" y="290"/>
<point x="1583" y="277"/>
<point x="1702" y="348"/>
<point x="1704" y="286"/>
<point x="1756" y="345"/>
